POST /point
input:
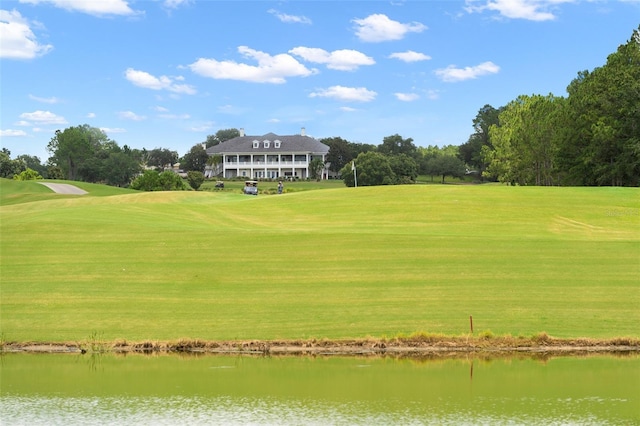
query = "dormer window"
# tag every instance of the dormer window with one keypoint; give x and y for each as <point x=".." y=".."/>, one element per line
<point x="276" y="143"/>
<point x="266" y="143"/>
<point x="256" y="144"/>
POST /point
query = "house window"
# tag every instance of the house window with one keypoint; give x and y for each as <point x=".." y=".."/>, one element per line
<point x="256" y="144"/>
<point x="266" y="143"/>
<point x="276" y="143"/>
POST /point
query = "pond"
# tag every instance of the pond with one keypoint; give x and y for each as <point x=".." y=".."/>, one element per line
<point x="69" y="389"/>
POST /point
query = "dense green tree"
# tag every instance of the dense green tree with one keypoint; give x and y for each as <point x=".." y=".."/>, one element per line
<point x="32" y="162"/>
<point x="396" y="145"/>
<point x="358" y="148"/>
<point x="75" y="149"/>
<point x="445" y="165"/>
<point x="221" y="135"/>
<point x="405" y="168"/>
<point x="471" y="151"/>
<point x="195" y="179"/>
<point x="340" y="153"/>
<point x="55" y="172"/>
<point x="525" y="143"/>
<point x="602" y="144"/>
<point x="372" y="169"/>
<point x="161" y="158"/>
<point x="9" y="167"/>
<point x="195" y="159"/>
<point x="120" y="168"/>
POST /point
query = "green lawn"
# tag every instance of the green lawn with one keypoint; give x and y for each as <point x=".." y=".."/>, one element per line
<point x="338" y="262"/>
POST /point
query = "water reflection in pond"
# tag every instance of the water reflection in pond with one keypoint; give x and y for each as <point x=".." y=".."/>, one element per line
<point x="170" y="389"/>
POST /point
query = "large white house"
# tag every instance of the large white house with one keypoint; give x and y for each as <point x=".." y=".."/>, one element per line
<point x="268" y="156"/>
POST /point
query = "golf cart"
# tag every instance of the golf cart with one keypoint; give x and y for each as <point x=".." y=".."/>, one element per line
<point x="250" y="187"/>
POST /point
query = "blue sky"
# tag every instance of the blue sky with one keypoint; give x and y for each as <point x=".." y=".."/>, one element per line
<point x="167" y="73"/>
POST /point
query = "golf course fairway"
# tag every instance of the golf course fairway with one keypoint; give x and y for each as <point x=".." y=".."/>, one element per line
<point x="327" y="264"/>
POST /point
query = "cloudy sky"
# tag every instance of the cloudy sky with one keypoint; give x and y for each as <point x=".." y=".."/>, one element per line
<point x="167" y="73"/>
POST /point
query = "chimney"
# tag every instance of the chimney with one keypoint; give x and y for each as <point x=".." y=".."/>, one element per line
<point x="241" y="131"/>
<point x="303" y="132"/>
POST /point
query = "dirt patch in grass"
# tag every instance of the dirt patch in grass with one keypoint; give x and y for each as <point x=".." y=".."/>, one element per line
<point x="419" y="344"/>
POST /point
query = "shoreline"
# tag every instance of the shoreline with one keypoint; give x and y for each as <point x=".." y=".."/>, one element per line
<point x="419" y="346"/>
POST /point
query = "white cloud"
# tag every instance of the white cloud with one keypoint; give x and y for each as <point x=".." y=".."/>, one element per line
<point x="174" y="4"/>
<point x="42" y="117"/>
<point x="273" y="120"/>
<point x="174" y="116"/>
<point x="433" y="94"/>
<point x="270" y="69"/>
<point x="377" y="27"/>
<point x="108" y="130"/>
<point x="349" y="94"/>
<point x="407" y="97"/>
<point x="130" y="115"/>
<point x="148" y="81"/>
<point x="533" y="10"/>
<point x="410" y="56"/>
<point x="91" y="115"/>
<point x="202" y="128"/>
<point x="90" y="7"/>
<point x="12" y="133"/>
<point x="348" y="109"/>
<point x="18" y="41"/>
<point x="283" y="17"/>
<point x="342" y="60"/>
<point x="452" y="74"/>
<point x="160" y="109"/>
<point x="51" y="100"/>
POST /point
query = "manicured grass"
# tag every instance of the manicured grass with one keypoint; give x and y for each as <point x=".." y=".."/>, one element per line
<point x="335" y="263"/>
<point x="271" y="187"/>
<point x="17" y="192"/>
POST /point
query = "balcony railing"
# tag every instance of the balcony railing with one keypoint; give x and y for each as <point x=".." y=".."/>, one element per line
<point x="258" y="164"/>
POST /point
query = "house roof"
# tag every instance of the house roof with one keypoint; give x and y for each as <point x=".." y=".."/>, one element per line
<point x="288" y="144"/>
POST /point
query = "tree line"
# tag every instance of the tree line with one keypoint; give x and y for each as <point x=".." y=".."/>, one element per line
<point x="590" y="137"/>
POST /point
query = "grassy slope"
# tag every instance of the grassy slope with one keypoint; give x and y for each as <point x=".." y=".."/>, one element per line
<point x="17" y="192"/>
<point x="343" y="262"/>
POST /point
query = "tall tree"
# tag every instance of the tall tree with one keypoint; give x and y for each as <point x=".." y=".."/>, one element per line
<point x="120" y="168"/>
<point x="396" y="145"/>
<point x="340" y="153"/>
<point x="73" y="149"/>
<point x="471" y="151"/>
<point x="602" y="146"/>
<point x="221" y="135"/>
<point x="162" y="157"/>
<point x="525" y="143"/>
<point x="9" y="167"/>
<point x="32" y="162"/>
<point x="195" y="159"/>
<point x="445" y="165"/>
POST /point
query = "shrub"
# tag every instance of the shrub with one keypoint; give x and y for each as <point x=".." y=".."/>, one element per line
<point x="195" y="179"/>
<point x="28" y="174"/>
<point x="151" y="180"/>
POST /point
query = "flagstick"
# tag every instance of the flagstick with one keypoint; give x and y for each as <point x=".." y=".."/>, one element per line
<point x="355" y="176"/>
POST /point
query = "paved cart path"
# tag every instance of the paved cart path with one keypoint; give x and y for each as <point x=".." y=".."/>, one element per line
<point x="64" y="188"/>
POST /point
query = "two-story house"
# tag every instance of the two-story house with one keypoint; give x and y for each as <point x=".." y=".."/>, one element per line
<point x="268" y="156"/>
